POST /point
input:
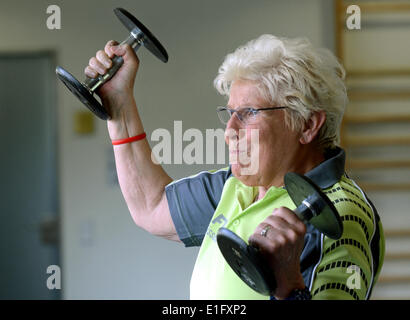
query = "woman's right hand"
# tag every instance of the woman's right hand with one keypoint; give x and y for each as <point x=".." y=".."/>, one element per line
<point x="116" y="93"/>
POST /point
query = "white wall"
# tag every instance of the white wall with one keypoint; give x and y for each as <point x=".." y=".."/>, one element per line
<point x="104" y="256"/>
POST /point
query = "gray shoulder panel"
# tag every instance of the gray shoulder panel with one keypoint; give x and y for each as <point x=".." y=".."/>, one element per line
<point x="192" y="202"/>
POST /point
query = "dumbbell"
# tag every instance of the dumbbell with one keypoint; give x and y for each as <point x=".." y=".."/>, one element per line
<point x="313" y="207"/>
<point x="139" y="36"/>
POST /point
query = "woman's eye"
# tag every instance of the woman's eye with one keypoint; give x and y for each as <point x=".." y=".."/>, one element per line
<point x="247" y="114"/>
<point x="252" y="112"/>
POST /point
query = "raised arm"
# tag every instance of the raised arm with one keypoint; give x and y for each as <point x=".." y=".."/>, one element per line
<point x="142" y="182"/>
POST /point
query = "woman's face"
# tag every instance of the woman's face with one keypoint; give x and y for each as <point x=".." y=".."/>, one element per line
<point x="262" y="150"/>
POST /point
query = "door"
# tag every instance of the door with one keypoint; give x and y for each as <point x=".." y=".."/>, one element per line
<point x="28" y="181"/>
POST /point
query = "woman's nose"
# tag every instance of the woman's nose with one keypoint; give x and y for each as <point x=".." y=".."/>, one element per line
<point x="234" y="122"/>
<point x="231" y="134"/>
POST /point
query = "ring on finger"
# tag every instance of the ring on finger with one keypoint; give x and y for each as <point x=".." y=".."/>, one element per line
<point x="265" y="230"/>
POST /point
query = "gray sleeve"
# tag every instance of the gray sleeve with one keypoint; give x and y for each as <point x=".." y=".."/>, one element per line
<point x="192" y="202"/>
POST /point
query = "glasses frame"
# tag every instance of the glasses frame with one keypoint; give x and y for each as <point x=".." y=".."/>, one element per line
<point x="253" y="110"/>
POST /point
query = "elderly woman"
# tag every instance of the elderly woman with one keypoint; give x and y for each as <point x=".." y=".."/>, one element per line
<point x="293" y="97"/>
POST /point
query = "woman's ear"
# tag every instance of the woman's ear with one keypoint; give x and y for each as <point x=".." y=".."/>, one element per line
<point x="312" y="127"/>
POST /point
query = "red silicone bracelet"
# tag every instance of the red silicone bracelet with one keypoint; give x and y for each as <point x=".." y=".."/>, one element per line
<point x="128" y="140"/>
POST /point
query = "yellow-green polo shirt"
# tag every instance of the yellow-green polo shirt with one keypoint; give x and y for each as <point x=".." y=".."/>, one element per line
<point x="346" y="268"/>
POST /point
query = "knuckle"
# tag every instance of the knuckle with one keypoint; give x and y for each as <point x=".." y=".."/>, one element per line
<point x="273" y="247"/>
<point x="109" y="51"/>
<point x="272" y="219"/>
<point x="301" y="228"/>
<point x="260" y="227"/>
<point x="280" y="240"/>
<point x="293" y="236"/>
<point x="92" y="61"/>
<point x="279" y="211"/>
<point x="109" y="44"/>
<point x="277" y="221"/>
<point x="275" y="218"/>
<point x="100" y="53"/>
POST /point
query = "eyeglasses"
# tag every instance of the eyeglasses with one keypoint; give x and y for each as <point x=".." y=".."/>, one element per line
<point x="245" y="115"/>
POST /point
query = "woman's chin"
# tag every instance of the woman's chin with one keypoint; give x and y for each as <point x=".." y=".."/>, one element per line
<point x="242" y="174"/>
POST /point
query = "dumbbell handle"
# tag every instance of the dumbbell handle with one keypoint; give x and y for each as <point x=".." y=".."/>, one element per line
<point x="309" y="208"/>
<point x="134" y="40"/>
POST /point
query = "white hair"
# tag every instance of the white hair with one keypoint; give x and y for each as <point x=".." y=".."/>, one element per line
<point x="292" y="73"/>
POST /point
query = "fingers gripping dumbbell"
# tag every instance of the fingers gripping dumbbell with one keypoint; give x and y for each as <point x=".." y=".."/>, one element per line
<point x="139" y="36"/>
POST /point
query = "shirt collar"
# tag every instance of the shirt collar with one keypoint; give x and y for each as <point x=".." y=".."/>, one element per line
<point x="329" y="171"/>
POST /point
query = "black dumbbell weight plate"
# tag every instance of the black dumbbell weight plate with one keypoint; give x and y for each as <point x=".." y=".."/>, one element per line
<point x="150" y="42"/>
<point x="82" y="93"/>
<point x="246" y="262"/>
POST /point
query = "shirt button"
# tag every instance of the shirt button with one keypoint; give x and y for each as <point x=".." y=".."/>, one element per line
<point x="236" y="222"/>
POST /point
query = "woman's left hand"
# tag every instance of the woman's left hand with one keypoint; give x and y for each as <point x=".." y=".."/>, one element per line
<point x="281" y="245"/>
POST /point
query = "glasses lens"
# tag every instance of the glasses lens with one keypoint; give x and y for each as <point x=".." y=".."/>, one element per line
<point x="247" y="115"/>
<point x="224" y="115"/>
